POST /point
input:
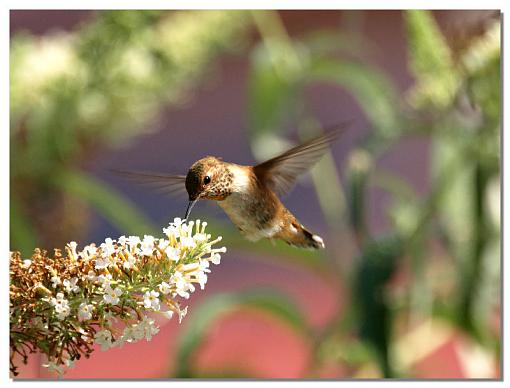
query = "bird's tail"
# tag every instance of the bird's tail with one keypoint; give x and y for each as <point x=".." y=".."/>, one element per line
<point x="298" y="236"/>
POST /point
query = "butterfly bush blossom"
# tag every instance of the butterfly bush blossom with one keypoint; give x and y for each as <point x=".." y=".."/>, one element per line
<point x="107" y="295"/>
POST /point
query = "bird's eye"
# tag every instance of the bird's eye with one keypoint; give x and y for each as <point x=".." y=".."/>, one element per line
<point x="207" y="180"/>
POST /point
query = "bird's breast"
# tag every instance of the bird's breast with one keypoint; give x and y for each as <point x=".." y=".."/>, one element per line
<point x="253" y="214"/>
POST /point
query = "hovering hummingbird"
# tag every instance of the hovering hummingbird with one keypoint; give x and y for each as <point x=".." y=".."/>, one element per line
<point x="250" y="194"/>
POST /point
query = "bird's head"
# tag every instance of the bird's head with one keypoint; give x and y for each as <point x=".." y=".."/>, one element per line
<point x="208" y="178"/>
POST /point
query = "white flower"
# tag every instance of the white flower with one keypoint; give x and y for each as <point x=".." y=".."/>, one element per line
<point x="182" y="313"/>
<point x="70" y="285"/>
<point x="147" y="246"/>
<point x="215" y="258"/>
<point x="69" y="363"/>
<point x="203" y="265"/>
<point x="182" y="285"/>
<point x="177" y="222"/>
<point x="136" y="333"/>
<point x="165" y="288"/>
<point x="72" y="247"/>
<point x="104" y="338"/>
<point x="133" y="243"/>
<point x="55" y="281"/>
<point x="174" y="228"/>
<point x="54" y="367"/>
<point x="111" y="295"/>
<point x="122" y="241"/>
<point x="146" y="328"/>
<point x="202" y="279"/>
<point x="186" y="229"/>
<point x="108" y="247"/>
<point x="91" y="276"/>
<point x="85" y="311"/>
<point x="105" y="280"/>
<point x="58" y="300"/>
<point x="171" y="232"/>
<point x="173" y="253"/>
<point x="151" y="300"/>
<point x="61" y="306"/>
<point x="188" y="242"/>
<point x="200" y="237"/>
<point x="63" y="312"/>
<point x="163" y="244"/>
<point x="27" y="263"/>
<point x="88" y="252"/>
<point x="103" y="262"/>
<point x="130" y="262"/>
<point x="168" y="314"/>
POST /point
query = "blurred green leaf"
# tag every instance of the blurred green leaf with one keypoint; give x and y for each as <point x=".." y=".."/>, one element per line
<point x="359" y="168"/>
<point x="484" y="87"/>
<point x="330" y="42"/>
<point x="456" y="213"/>
<point x="270" y="95"/>
<point x="378" y="263"/>
<point x="271" y="101"/>
<point x="437" y="79"/>
<point x="214" y="308"/>
<point x="111" y="204"/>
<point x="482" y="63"/>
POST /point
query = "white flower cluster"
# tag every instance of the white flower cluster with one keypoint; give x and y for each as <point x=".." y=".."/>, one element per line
<point x="61" y="306"/>
<point x="145" y="328"/>
<point x="134" y="275"/>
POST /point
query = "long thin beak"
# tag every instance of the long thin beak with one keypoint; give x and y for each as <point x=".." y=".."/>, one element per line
<point x="190" y="206"/>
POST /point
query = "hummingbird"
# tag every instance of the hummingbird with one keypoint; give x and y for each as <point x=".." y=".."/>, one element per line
<point x="250" y="195"/>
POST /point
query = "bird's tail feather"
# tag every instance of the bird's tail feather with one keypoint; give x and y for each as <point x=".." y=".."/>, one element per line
<point x="297" y="235"/>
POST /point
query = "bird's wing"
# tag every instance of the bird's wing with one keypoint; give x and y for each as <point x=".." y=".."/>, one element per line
<point x="164" y="183"/>
<point x="281" y="171"/>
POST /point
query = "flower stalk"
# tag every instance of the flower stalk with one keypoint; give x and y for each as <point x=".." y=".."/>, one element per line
<point x="62" y="305"/>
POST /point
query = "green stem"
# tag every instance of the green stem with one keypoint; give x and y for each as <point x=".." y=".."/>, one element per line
<point x="473" y="268"/>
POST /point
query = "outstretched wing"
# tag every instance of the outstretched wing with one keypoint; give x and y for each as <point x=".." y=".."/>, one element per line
<point x="164" y="183"/>
<point x="282" y="171"/>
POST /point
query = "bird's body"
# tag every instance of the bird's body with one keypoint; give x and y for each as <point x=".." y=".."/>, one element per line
<point x="249" y="194"/>
<point x="258" y="212"/>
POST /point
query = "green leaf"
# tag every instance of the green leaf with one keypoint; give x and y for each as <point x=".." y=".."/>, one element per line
<point x="271" y="100"/>
<point x="214" y="308"/>
<point x="111" y="204"/>
<point x="377" y="265"/>
<point x="437" y="79"/>
<point x="454" y="202"/>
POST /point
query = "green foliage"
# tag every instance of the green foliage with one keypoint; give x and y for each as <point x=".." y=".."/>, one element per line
<point x="437" y="80"/>
<point x="378" y="262"/>
<point x="271" y="96"/>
